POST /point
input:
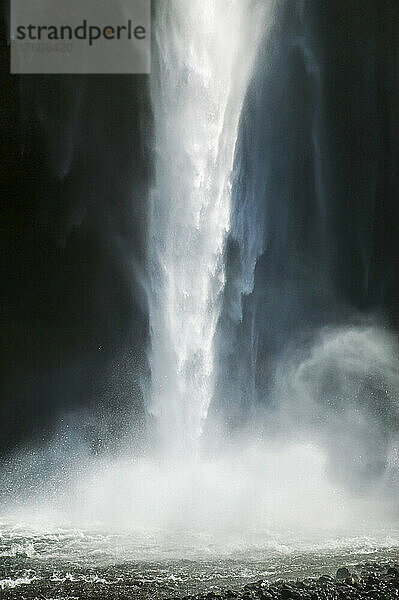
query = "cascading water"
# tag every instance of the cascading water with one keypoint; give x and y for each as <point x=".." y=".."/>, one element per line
<point x="205" y="51"/>
<point x="272" y="309"/>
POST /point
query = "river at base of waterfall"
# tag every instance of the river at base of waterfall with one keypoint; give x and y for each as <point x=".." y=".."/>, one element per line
<point x="67" y="563"/>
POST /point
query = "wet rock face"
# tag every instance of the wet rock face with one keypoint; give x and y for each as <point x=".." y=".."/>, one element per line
<point x="370" y="580"/>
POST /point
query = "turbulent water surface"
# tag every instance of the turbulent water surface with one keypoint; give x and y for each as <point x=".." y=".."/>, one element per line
<point x="67" y="563"/>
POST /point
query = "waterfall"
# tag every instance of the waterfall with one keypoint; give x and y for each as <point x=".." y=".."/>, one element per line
<point x="204" y="52"/>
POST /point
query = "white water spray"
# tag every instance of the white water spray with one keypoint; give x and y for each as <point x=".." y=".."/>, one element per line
<point x="205" y="51"/>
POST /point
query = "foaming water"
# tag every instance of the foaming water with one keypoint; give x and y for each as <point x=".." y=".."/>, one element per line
<point x="46" y="560"/>
<point x="204" y="54"/>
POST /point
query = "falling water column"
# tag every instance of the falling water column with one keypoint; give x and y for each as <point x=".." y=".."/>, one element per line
<point x="203" y="58"/>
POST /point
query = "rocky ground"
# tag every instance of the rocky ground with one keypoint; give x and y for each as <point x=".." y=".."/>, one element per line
<point x="367" y="581"/>
<point x="370" y="580"/>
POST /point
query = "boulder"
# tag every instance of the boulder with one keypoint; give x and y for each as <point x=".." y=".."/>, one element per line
<point x="343" y="573"/>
